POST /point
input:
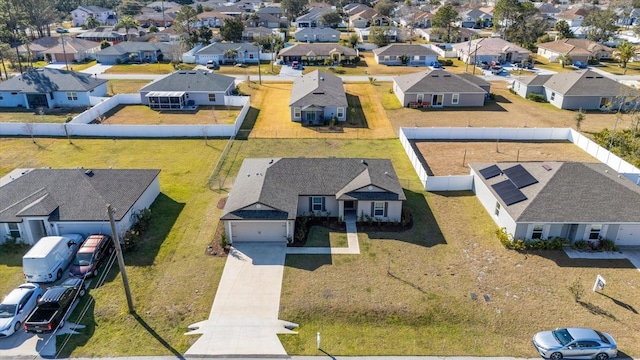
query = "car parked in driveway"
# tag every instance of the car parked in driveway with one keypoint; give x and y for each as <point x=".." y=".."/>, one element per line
<point x="575" y="343"/>
<point x="52" y="307"/>
<point x="580" y="64"/>
<point x="16" y="307"/>
<point x="91" y="255"/>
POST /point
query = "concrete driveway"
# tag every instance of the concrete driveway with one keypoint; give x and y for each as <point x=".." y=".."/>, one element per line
<point x="244" y="318"/>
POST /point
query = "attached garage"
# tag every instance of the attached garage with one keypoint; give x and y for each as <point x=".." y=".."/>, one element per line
<point x="262" y="230"/>
<point x="628" y="235"/>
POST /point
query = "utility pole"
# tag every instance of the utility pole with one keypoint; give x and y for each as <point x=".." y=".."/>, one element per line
<point x="64" y="52"/>
<point x="259" y="64"/>
<point x="123" y="271"/>
<point x="466" y="69"/>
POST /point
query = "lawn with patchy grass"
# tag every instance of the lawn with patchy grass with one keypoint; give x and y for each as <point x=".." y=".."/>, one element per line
<point x="143" y="115"/>
<point x="320" y="236"/>
<point x="543" y="63"/>
<point x="121" y="86"/>
<point x="146" y="68"/>
<point x="248" y="69"/>
<point x="82" y="66"/>
<point x="633" y="68"/>
<point x="21" y="115"/>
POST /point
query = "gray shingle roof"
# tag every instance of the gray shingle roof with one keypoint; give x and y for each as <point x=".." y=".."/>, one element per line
<point x="277" y="183"/>
<point x="536" y="80"/>
<point x="401" y="49"/>
<point x="317" y="49"/>
<point x="127" y="47"/>
<point x="221" y="48"/>
<point x="196" y="80"/>
<point x="587" y="83"/>
<point x="318" y="88"/>
<point x="489" y="46"/>
<point x="44" y="80"/>
<point x="573" y="192"/>
<point x="72" y="195"/>
<point x="317" y="31"/>
<point x="436" y="80"/>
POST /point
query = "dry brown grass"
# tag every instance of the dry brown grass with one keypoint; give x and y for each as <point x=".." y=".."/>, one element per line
<point x="143" y="115"/>
<point x="453" y="158"/>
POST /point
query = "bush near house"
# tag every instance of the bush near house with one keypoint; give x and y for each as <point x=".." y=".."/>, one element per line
<point x="535" y="97"/>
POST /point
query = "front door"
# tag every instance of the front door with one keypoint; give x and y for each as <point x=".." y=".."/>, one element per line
<point x="349" y="205"/>
<point x="420" y="98"/>
<point x="436" y="100"/>
<point x="310" y="117"/>
<point x="37" y="229"/>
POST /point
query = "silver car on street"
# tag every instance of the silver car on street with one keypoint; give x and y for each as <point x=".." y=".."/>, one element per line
<point x="575" y="343"/>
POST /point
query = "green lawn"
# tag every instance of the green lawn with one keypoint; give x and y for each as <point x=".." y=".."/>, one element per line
<point x="33" y="116"/>
<point x="266" y="69"/>
<point x="155" y="68"/>
<point x="82" y="66"/>
<point x="121" y="86"/>
<point x="633" y="68"/>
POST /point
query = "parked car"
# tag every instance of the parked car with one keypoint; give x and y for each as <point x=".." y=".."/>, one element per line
<point x="497" y="70"/>
<point x="16" y="307"/>
<point x="525" y="65"/>
<point x="580" y="64"/>
<point x="575" y="343"/>
<point x="436" y="65"/>
<point x="49" y="257"/>
<point x="53" y="305"/>
<point x="212" y="65"/>
<point x="91" y="255"/>
<point x="483" y="65"/>
<point x="296" y="65"/>
<point x="61" y="30"/>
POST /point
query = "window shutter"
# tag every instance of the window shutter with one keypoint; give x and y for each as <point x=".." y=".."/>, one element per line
<point x="372" y="213"/>
<point x="323" y="209"/>
<point x="386" y="208"/>
<point x="310" y="203"/>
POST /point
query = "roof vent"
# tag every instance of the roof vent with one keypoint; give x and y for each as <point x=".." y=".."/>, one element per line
<point x="89" y="173"/>
<point x="321" y="78"/>
<point x="363" y="162"/>
<point x="271" y="161"/>
<point x="546" y="167"/>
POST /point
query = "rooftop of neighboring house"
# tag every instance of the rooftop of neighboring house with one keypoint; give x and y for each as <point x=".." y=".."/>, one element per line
<point x="439" y="81"/>
<point x="191" y="81"/>
<point x="48" y="42"/>
<point x="489" y="46"/>
<point x="46" y="80"/>
<point x="318" y="88"/>
<point x="587" y="83"/>
<point x="403" y="49"/>
<point x="218" y="48"/>
<point x="575" y="46"/>
<point x="316" y="49"/>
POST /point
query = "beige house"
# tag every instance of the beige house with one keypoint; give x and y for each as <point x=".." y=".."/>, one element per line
<point x="578" y="49"/>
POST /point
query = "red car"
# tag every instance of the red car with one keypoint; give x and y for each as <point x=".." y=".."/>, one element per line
<point x="91" y="254"/>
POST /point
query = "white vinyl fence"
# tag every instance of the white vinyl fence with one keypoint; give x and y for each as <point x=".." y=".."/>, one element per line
<point x="80" y="127"/>
<point x="465" y="182"/>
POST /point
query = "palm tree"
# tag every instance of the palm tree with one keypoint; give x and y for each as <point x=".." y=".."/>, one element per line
<point x="564" y="59"/>
<point x="231" y="54"/>
<point x="127" y="22"/>
<point x="92" y="22"/>
<point x="624" y="52"/>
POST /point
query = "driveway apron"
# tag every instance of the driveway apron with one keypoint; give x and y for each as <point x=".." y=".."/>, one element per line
<point x="244" y="317"/>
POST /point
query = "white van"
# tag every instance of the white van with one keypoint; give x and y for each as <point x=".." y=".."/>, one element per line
<point x="47" y="259"/>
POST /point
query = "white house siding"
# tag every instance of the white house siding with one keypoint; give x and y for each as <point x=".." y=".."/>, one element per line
<point x="488" y="201"/>
<point x="203" y="98"/>
<point x="520" y="89"/>
<point x="627" y="235"/>
<point x="259" y="230"/>
<point x="394" y="210"/>
<point x="202" y="59"/>
<point x="464" y="100"/>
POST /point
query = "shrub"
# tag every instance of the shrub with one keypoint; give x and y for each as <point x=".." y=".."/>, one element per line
<point x="580" y="245"/>
<point x="535" y="97"/>
<point x="140" y="223"/>
<point x="512" y="91"/>
<point x="607" y="245"/>
<point x="539" y="244"/>
<point x="446" y="62"/>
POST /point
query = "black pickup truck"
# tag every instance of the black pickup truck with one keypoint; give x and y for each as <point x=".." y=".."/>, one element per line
<point x="53" y="305"/>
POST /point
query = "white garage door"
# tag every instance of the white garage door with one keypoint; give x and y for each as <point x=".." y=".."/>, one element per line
<point x="628" y="235"/>
<point x="259" y="231"/>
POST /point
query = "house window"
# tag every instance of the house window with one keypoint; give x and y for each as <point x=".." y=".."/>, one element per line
<point x="378" y="208"/>
<point x="594" y="233"/>
<point x="296" y="113"/>
<point x="250" y="56"/>
<point x="72" y="96"/>
<point x="1" y="98"/>
<point x="537" y="232"/>
<point x="316" y="203"/>
<point x="387" y="58"/>
<point x="212" y="97"/>
<point x="420" y="98"/>
<point x="497" y="211"/>
<point x="455" y="98"/>
<point x="553" y="96"/>
<point x="340" y="112"/>
<point x="14" y="230"/>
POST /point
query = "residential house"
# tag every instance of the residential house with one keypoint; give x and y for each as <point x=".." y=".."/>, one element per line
<point x="573" y="16"/>
<point x="490" y="50"/>
<point x="421" y="20"/>
<point x="547" y="10"/>
<point x="312" y="18"/>
<point x="402" y="54"/>
<point x="627" y="17"/>
<point x="78" y="49"/>
<point x="318" y="97"/>
<point x="270" y="193"/>
<point x="545" y="200"/>
<point x="317" y="53"/>
<point x="368" y="18"/>
<point x="228" y="53"/>
<point x="159" y="19"/>
<point x="436" y="35"/>
<point x="265" y="20"/>
<point x="101" y="34"/>
<point x="439" y="88"/>
<point x="354" y="8"/>
<point x="393" y="34"/>
<point x="168" y="35"/>
<point x="251" y="34"/>
<point x="51" y="88"/>
<point x="52" y="202"/>
<point x="105" y="16"/>
<point x="317" y="34"/>
<point x="475" y="18"/>
<point x="581" y="89"/>
<point x="578" y="49"/>
<point x="212" y="19"/>
<point x="166" y="6"/>
<point x="134" y="51"/>
<point x="232" y="10"/>
<point x="187" y="90"/>
<point x="273" y="10"/>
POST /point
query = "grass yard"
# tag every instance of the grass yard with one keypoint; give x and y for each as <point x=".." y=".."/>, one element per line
<point x="22" y="115"/>
<point x="320" y="236"/>
<point x="543" y="63"/>
<point x="82" y="66"/>
<point x="633" y="68"/>
<point x="266" y="69"/>
<point x="508" y="110"/>
<point x="359" y="70"/>
<point x="143" y="115"/>
<point x="120" y="86"/>
<point x="146" y="68"/>
<point x="166" y="294"/>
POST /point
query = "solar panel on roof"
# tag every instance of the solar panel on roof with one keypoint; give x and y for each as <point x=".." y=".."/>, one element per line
<point x="520" y="176"/>
<point x="490" y="172"/>
<point x="508" y="192"/>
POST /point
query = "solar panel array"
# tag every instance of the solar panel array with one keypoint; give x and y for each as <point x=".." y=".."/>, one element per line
<point x="490" y="172"/>
<point x="520" y="176"/>
<point x="508" y="192"/>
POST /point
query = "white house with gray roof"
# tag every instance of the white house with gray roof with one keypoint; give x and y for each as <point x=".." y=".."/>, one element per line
<point x="582" y="89"/>
<point x="439" y="88"/>
<point x="187" y="90"/>
<point x="228" y="53"/>
<point x="317" y="34"/>
<point x="80" y="15"/>
<point x="51" y="88"/>
<point x="416" y="55"/>
<point x="45" y="202"/>
<point x="127" y="51"/>
<point x="570" y="200"/>
<point x="270" y="193"/>
<point x="317" y="97"/>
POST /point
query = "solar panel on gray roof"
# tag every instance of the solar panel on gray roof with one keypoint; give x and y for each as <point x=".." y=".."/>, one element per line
<point x="508" y="192"/>
<point x="520" y="176"/>
<point x="490" y="172"/>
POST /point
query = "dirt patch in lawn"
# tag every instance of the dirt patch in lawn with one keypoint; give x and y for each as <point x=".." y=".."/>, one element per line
<point x="143" y="115"/>
<point x="453" y="157"/>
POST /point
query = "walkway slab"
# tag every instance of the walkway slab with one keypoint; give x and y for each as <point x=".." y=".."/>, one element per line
<point x="244" y="317"/>
<point x="352" y="241"/>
